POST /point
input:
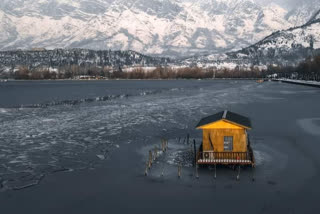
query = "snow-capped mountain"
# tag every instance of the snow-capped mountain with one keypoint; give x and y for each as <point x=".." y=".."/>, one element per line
<point x="286" y="47"/>
<point x="159" y="27"/>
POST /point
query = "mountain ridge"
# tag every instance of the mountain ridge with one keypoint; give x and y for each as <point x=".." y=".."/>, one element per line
<point x="285" y="47"/>
<point x="159" y="28"/>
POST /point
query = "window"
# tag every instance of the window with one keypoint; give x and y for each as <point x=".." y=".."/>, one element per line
<point x="228" y="143"/>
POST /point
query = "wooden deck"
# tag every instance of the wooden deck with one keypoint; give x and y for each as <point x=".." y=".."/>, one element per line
<point x="226" y="158"/>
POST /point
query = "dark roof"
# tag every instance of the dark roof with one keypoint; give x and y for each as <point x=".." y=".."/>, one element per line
<point x="227" y="115"/>
<point x="210" y="119"/>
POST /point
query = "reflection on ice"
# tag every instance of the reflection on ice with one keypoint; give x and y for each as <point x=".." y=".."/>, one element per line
<point x="310" y="125"/>
<point x="3" y="111"/>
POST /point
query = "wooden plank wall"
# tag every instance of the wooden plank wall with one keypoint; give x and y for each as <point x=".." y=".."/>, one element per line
<point x="217" y="138"/>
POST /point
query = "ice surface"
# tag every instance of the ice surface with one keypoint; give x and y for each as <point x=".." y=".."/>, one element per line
<point x="44" y="139"/>
<point x="310" y="125"/>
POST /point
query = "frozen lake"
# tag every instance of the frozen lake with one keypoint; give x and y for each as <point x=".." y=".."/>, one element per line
<point x="84" y="145"/>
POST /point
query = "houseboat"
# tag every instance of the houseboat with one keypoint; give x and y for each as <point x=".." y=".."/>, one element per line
<point x="225" y="140"/>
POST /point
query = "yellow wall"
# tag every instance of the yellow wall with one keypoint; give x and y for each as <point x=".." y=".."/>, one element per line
<point x="217" y="137"/>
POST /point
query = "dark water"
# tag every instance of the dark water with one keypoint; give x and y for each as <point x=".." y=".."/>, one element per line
<point x="97" y="135"/>
<point x="46" y="93"/>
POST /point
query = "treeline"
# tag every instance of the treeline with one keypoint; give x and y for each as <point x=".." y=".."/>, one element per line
<point x="306" y="70"/>
<point x="190" y="73"/>
<point x="65" y="72"/>
<point x="76" y="72"/>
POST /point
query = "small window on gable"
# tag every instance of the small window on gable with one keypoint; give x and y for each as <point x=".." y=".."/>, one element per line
<point x="228" y="143"/>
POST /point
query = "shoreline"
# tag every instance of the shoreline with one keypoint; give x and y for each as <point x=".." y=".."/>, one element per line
<point x="20" y="80"/>
<point x="299" y="82"/>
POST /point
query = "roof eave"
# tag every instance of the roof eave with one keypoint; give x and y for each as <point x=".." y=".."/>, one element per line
<point x="246" y="127"/>
<point x="226" y="120"/>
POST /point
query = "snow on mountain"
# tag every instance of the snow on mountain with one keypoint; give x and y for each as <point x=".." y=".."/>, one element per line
<point x="303" y="11"/>
<point x="162" y="27"/>
<point x="286" y="47"/>
<point x="289" y="42"/>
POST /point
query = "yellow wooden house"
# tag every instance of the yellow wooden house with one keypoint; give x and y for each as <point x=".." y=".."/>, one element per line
<point x="225" y="139"/>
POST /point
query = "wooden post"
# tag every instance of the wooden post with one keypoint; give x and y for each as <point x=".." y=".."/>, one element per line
<point x="195" y="151"/>
<point x="197" y="174"/>
<point x="179" y="171"/>
<point x="149" y="164"/>
<point x="253" y="179"/>
<point x="150" y="159"/>
<point x="238" y="176"/>
<point x="146" y="170"/>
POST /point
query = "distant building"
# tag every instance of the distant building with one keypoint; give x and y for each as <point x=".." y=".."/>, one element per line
<point x="225" y="140"/>
<point x="38" y="49"/>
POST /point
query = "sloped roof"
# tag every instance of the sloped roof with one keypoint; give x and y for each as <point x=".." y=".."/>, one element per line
<point x="226" y="115"/>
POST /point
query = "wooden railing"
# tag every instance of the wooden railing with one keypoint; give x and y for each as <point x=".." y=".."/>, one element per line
<point x="225" y="155"/>
<point x="210" y="157"/>
<point x="251" y="155"/>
